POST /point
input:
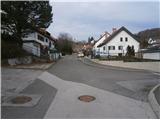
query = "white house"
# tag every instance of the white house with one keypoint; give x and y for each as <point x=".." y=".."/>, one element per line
<point x="98" y="50"/>
<point x="116" y="44"/>
<point x="39" y="43"/>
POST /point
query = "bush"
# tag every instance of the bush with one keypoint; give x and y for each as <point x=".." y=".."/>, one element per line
<point x="130" y="51"/>
<point x="97" y="56"/>
<point x="10" y="50"/>
<point x="115" y="58"/>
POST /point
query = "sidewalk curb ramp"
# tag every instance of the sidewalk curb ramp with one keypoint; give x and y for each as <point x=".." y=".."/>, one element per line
<point x="153" y="101"/>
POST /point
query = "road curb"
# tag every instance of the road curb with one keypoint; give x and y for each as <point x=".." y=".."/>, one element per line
<point x="32" y="68"/>
<point x="153" y="101"/>
<point x="136" y="69"/>
<point x="112" y="67"/>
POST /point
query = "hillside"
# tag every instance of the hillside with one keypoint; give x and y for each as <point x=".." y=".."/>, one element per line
<point x="144" y="36"/>
<point x="149" y="33"/>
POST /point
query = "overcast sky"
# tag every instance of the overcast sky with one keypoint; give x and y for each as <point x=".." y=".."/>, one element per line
<point x="84" y="19"/>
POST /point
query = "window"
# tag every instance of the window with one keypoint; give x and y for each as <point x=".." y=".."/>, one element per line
<point x="50" y="43"/>
<point x="104" y="48"/>
<point x="126" y="39"/>
<point x="120" y="47"/>
<point x="40" y="38"/>
<point x="111" y="47"/>
<point x="46" y="40"/>
<point x="121" y="39"/>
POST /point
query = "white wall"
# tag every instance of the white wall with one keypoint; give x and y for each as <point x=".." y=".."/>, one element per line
<point x="154" y="56"/>
<point x="52" y="46"/>
<point x="116" y="42"/>
<point x="33" y="48"/>
<point x="33" y="36"/>
<point x="30" y="36"/>
<point x="99" y="49"/>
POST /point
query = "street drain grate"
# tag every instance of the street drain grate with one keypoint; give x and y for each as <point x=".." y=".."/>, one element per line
<point x="21" y="99"/>
<point x="86" y="98"/>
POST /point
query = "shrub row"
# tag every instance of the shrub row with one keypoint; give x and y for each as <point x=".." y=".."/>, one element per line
<point x="10" y="50"/>
<point x="124" y="58"/>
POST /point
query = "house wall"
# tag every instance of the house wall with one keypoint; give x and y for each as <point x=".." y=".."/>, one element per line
<point x="102" y="52"/>
<point x="154" y="56"/>
<point x="116" y="42"/>
<point x="30" y="36"/>
<point x="99" y="50"/>
<point x="34" y="36"/>
<point x="33" y="48"/>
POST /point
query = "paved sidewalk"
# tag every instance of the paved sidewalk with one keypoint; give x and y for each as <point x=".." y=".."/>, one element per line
<point x="15" y="80"/>
<point x="106" y="105"/>
<point x="36" y="111"/>
<point x="152" y="66"/>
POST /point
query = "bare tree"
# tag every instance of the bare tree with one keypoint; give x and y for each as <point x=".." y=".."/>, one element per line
<point x="64" y="43"/>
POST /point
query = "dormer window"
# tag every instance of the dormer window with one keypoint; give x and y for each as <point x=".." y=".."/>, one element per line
<point x="126" y="39"/>
<point x="121" y="39"/>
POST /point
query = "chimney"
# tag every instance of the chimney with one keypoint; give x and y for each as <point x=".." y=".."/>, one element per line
<point x="107" y="34"/>
<point x="114" y="29"/>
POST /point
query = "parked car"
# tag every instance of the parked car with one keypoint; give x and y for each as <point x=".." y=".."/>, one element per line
<point x="80" y="54"/>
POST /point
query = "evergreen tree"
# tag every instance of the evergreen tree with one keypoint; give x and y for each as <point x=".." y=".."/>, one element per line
<point x="129" y="51"/>
<point x="132" y="51"/>
<point x="90" y="39"/>
<point x="22" y="17"/>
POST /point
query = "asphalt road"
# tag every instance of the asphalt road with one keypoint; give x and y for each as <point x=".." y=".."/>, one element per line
<point x="127" y="82"/>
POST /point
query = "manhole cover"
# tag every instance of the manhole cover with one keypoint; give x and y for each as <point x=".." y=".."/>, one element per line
<point x="21" y="99"/>
<point x="86" y="98"/>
